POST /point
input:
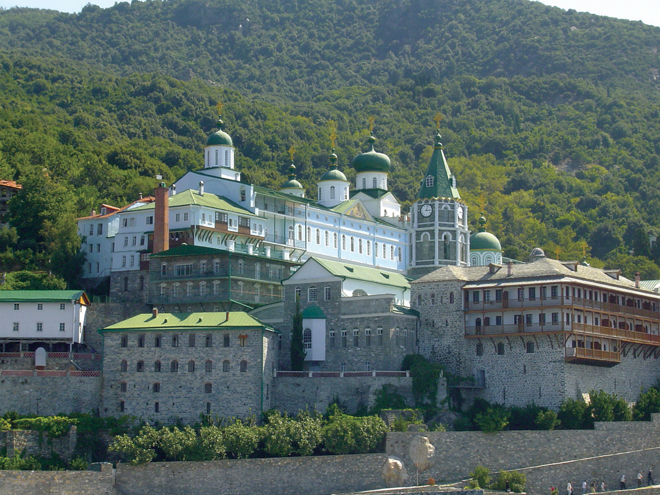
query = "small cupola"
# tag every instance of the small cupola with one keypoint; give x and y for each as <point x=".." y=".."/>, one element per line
<point x="292" y="186"/>
<point x="372" y="168"/>
<point x="333" y="185"/>
<point x="485" y="248"/>
<point x="219" y="153"/>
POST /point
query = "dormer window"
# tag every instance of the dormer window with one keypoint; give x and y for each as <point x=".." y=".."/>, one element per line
<point x="243" y="196"/>
<point x="429" y="181"/>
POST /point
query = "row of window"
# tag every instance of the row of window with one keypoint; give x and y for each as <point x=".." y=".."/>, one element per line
<point x="529" y="347"/>
<point x="122" y="404"/>
<point x="344" y="193"/>
<point x="134" y="242"/>
<point x="40" y="306"/>
<point x="174" y="366"/>
<point x="130" y="222"/>
<point x="99" y="229"/>
<point x="155" y="388"/>
<point x="192" y="339"/>
<point x="433" y="299"/>
<point x="401" y="337"/>
<point x="40" y="327"/>
<point x="349" y="243"/>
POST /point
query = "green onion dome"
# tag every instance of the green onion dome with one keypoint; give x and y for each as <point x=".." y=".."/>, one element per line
<point x="292" y="183"/>
<point x="484" y="241"/>
<point x="333" y="173"/>
<point x="220" y="137"/>
<point x="371" y="161"/>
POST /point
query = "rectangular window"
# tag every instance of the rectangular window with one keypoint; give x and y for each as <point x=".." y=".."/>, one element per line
<point x="123" y="261"/>
<point x="132" y="260"/>
<point x="124" y="222"/>
<point x="344" y="338"/>
<point x="521" y="294"/>
<point x="554" y="292"/>
<point x="498" y="295"/>
<point x="544" y="292"/>
<point x="15" y="326"/>
<point x="528" y="320"/>
<point x="40" y="327"/>
<point x="191" y="340"/>
<point x="91" y="230"/>
<point x="486" y="296"/>
<point x="367" y="337"/>
<point x="16" y="306"/>
<point x="475" y="296"/>
<point x="379" y="334"/>
<point x="356" y="338"/>
<point x="62" y="306"/>
<point x="99" y="229"/>
<point x="311" y="294"/>
<point x="62" y="327"/>
<point x="40" y="306"/>
<point x="134" y="240"/>
<point x="332" y="338"/>
<point x="125" y="241"/>
<point x="532" y="293"/>
<point x="541" y="318"/>
<point x="184" y="270"/>
<point x="150" y="220"/>
<point x="131" y="222"/>
<point x="185" y="217"/>
<point x="177" y="217"/>
<point x="175" y="341"/>
<point x="326" y="293"/>
<point x="555" y="318"/>
<point x="141" y="240"/>
<point x="498" y="320"/>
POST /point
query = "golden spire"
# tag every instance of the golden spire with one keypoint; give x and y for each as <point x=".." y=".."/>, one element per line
<point x="557" y="251"/>
<point x="438" y="117"/>
<point x="371" y="121"/>
<point x="292" y="151"/>
<point x="219" y="107"/>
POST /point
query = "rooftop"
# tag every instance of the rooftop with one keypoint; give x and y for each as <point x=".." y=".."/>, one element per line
<point x="192" y="197"/>
<point x="366" y="274"/>
<point x="233" y="320"/>
<point x="44" y="296"/>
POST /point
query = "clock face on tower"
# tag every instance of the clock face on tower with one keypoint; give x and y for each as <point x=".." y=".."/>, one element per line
<point x="459" y="212"/>
<point x="426" y="210"/>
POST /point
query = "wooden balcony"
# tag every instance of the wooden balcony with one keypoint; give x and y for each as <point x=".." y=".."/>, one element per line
<point x="592" y="357"/>
<point x="616" y="333"/>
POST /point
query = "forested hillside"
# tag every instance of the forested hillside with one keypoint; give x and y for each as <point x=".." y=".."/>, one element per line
<point x="552" y="116"/>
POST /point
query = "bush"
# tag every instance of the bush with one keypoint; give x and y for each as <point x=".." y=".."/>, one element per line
<point x="241" y="439"/>
<point x="278" y="435"/>
<point x="307" y="436"/>
<point x="481" y="477"/>
<point x="463" y="424"/>
<point x="648" y="403"/>
<point x="349" y="435"/>
<point x="78" y="464"/>
<point x="573" y="415"/>
<point x="388" y="398"/>
<point x="524" y="418"/>
<point x="517" y="481"/>
<point x="547" y="420"/>
<point x="492" y="420"/>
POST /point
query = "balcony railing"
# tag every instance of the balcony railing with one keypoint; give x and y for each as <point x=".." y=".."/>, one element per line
<point x="582" y="355"/>
<point x="617" y="333"/>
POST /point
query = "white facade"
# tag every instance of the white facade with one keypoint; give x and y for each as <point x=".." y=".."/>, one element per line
<point x="48" y="318"/>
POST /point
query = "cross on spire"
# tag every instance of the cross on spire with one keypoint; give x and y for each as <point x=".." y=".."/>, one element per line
<point x="584" y="247"/>
<point x="219" y="107"/>
<point x="482" y="202"/>
<point x="292" y="151"/>
<point x="332" y="125"/>
<point x="438" y="117"/>
<point x="371" y="121"/>
<point x="557" y="251"/>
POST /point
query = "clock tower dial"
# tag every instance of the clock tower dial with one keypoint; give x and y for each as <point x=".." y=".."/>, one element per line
<point x="426" y="210"/>
<point x="459" y="212"/>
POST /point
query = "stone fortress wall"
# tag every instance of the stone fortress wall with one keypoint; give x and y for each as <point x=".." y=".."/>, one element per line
<point x="548" y="458"/>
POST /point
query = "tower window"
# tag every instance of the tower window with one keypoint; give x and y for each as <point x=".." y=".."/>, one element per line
<point x="429" y="181"/>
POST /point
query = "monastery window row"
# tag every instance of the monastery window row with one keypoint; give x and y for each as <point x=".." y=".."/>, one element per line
<point x="208" y="340"/>
<point x="174" y="366"/>
<point x="400" y="337"/>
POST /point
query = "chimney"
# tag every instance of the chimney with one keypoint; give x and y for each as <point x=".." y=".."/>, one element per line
<point x="509" y="268"/>
<point x="161" y="220"/>
<point x="93" y="213"/>
<point x="173" y="190"/>
<point x="140" y="195"/>
<point x="201" y="188"/>
<point x="638" y="278"/>
<point x="154" y="312"/>
<point x="227" y="316"/>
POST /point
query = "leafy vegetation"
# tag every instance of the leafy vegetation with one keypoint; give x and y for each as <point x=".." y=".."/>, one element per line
<point x="480" y="478"/>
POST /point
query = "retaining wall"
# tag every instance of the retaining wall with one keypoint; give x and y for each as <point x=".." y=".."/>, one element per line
<point x="18" y="442"/>
<point x="58" y="482"/>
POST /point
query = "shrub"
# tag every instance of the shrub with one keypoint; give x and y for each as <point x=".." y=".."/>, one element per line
<point x="139" y="449"/>
<point x="492" y="420"/>
<point x="463" y="424"/>
<point x="278" y="435"/>
<point x="349" y="435"/>
<point x="648" y="403"/>
<point x="517" y="481"/>
<point x="211" y="443"/>
<point x="307" y="436"/>
<point x="524" y="418"/>
<point x="547" y="420"/>
<point x="78" y="464"/>
<point x="241" y="439"/>
<point x="573" y="414"/>
<point x="481" y="477"/>
<point x="5" y="424"/>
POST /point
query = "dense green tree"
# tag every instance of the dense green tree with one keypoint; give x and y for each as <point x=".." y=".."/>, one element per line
<point x="297" y="347"/>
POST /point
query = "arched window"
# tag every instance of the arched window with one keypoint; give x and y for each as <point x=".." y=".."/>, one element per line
<point x="309" y="234"/>
<point x="124" y="365"/>
<point x="225" y="366"/>
<point x="157" y="366"/>
<point x="191" y="366"/>
<point x="227" y="163"/>
<point x="343" y="242"/>
<point x="376" y="249"/>
<point x="334" y="240"/>
<point x="208" y="366"/>
<point x="174" y="366"/>
<point x="243" y="194"/>
<point x="359" y="293"/>
<point x="140" y="366"/>
<point x="360" y="246"/>
<point x="345" y="193"/>
<point x="217" y="161"/>
<point x="327" y="238"/>
<point x="155" y="388"/>
<point x="208" y="388"/>
<point x="375" y="183"/>
<point x="400" y="255"/>
<point x="429" y="181"/>
<point x="311" y="294"/>
<point x="202" y="288"/>
<point x="318" y="236"/>
<point x="300" y="233"/>
<point x="307" y="338"/>
<point x="332" y="192"/>
<point x="243" y="366"/>
<point x="384" y="252"/>
<point x="368" y="248"/>
<point x="419" y="299"/>
<point x="352" y="244"/>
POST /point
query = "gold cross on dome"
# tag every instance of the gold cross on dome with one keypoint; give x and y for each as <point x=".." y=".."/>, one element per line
<point x="438" y="117"/>
<point x="482" y="202"/>
<point x="332" y="125"/>
<point x="584" y="247"/>
<point x="292" y="151"/>
<point x="557" y="251"/>
<point x="371" y="121"/>
<point x="219" y="107"/>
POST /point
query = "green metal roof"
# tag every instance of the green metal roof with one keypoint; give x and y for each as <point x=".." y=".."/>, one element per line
<point x="238" y="320"/>
<point x="484" y="241"/>
<point x="192" y="197"/>
<point x="43" y="296"/>
<point x="220" y="137"/>
<point x="188" y="250"/>
<point x="366" y="274"/>
<point x="333" y="174"/>
<point x="649" y="284"/>
<point x="374" y="193"/>
<point x="285" y="196"/>
<point x="441" y="186"/>
<point x="371" y="161"/>
<point x="313" y="313"/>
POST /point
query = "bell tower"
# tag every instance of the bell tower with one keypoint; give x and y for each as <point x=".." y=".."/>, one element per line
<point x="439" y="228"/>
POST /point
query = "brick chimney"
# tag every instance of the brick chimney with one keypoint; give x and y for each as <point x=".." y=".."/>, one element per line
<point x="509" y="268"/>
<point x="638" y="279"/>
<point x="161" y="219"/>
<point x="154" y="312"/>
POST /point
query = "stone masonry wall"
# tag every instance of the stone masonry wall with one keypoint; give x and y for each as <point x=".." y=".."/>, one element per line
<point x="183" y="393"/>
<point x="28" y="442"/>
<point x="58" y="482"/>
<point x="350" y="314"/>
<point x="292" y="394"/>
<point x="101" y="315"/>
<point x="46" y="395"/>
<point x="458" y="453"/>
<point x="130" y="286"/>
<point x="321" y="475"/>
